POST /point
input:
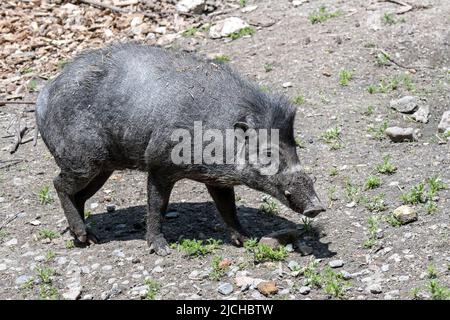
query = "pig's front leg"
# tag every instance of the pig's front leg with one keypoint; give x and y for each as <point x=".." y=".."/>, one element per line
<point x="226" y="205"/>
<point x="158" y="197"/>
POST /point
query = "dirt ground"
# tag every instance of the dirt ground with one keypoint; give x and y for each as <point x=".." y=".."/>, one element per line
<point x="410" y="261"/>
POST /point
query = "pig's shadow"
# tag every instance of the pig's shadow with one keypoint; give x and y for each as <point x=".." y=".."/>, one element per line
<point x="196" y="221"/>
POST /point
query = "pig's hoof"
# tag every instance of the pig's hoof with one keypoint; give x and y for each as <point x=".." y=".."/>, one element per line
<point x="159" y="245"/>
<point x="238" y="239"/>
<point x="86" y="239"/>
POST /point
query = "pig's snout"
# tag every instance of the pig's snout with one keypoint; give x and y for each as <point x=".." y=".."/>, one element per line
<point x="313" y="208"/>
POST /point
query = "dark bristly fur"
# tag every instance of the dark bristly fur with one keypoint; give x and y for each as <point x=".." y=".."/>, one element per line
<point x="116" y="108"/>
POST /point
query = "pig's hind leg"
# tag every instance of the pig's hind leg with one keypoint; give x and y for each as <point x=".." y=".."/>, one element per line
<point x="225" y="201"/>
<point x="68" y="186"/>
<point x="87" y="192"/>
<point x="158" y="198"/>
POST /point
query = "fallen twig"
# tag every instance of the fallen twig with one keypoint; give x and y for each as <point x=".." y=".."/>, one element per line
<point x="104" y="6"/>
<point x="121" y="10"/>
<point x="35" y="136"/>
<point x="5" y="102"/>
<point x="395" y="62"/>
<point x="407" y="7"/>
<point x="11" y="163"/>
<point x="9" y="220"/>
<point x="19" y="135"/>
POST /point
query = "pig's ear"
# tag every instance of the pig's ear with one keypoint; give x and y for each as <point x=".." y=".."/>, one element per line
<point x="245" y="124"/>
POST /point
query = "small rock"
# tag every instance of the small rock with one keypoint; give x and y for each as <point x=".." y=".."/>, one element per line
<point x="407" y="104"/>
<point x="135" y="260"/>
<point x="245" y="282"/>
<point x="385" y="268"/>
<point x="444" y="124"/>
<point x="403" y="278"/>
<point x="35" y="222"/>
<point x="158" y="269"/>
<point x="280" y="238"/>
<point x="304" y="290"/>
<point x="287" y="84"/>
<point x="23" y="279"/>
<point x="336" y="263"/>
<point x="405" y="214"/>
<point x="375" y="288"/>
<point x="3" y="266"/>
<point x="172" y="215"/>
<point x="225" y="289"/>
<point x="137" y="20"/>
<point x="115" y="291"/>
<point x="197" y="275"/>
<point x="95" y="266"/>
<point x="191" y="6"/>
<point x="248" y="9"/>
<point x="226" y="27"/>
<point x="346" y="275"/>
<point x="167" y="39"/>
<point x="74" y="291"/>
<point x="106" y="268"/>
<point x="10" y="243"/>
<point x="110" y="207"/>
<point x="267" y="288"/>
<point x="397" y="134"/>
<point x="119" y="253"/>
<point x="297" y="3"/>
<point x="293" y="265"/>
<point x="87" y="297"/>
<point x="94" y="205"/>
<point x="270" y="242"/>
<point x="289" y="247"/>
<point x="422" y="114"/>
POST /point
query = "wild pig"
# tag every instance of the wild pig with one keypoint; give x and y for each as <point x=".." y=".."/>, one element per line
<point x="117" y="108"/>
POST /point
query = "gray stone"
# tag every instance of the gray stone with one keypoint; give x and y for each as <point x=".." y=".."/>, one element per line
<point x="111" y="207"/>
<point x="405" y="214"/>
<point x="336" y="263"/>
<point x="158" y="269"/>
<point x="422" y="115"/>
<point x="10" y="243"/>
<point x="107" y="268"/>
<point x="293" y="265"/>
<point x="407" y="104"/>
<point x="3" y="266"/>
<point x="198" y="275"/>
<point x="191" y="6"/>
<point x="87" y="297"/>
<point x="248" y="9"/>
<point x="289" y="247"/>
<point x="346" y="275"/>
<point x="115" y="291"/>
<point x="226" y="27"/>
<point x="444" y="124"/>
<point x="225" y="289"/>
<point x="35" y="222"/>
<point x="304" y="290"/>
<point x="23" y="279"/>
<point x="397" y="134"/>
<point x="374" y="288"/>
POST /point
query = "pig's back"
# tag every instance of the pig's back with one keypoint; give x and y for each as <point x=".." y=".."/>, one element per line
<point x="122" y="94"/>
